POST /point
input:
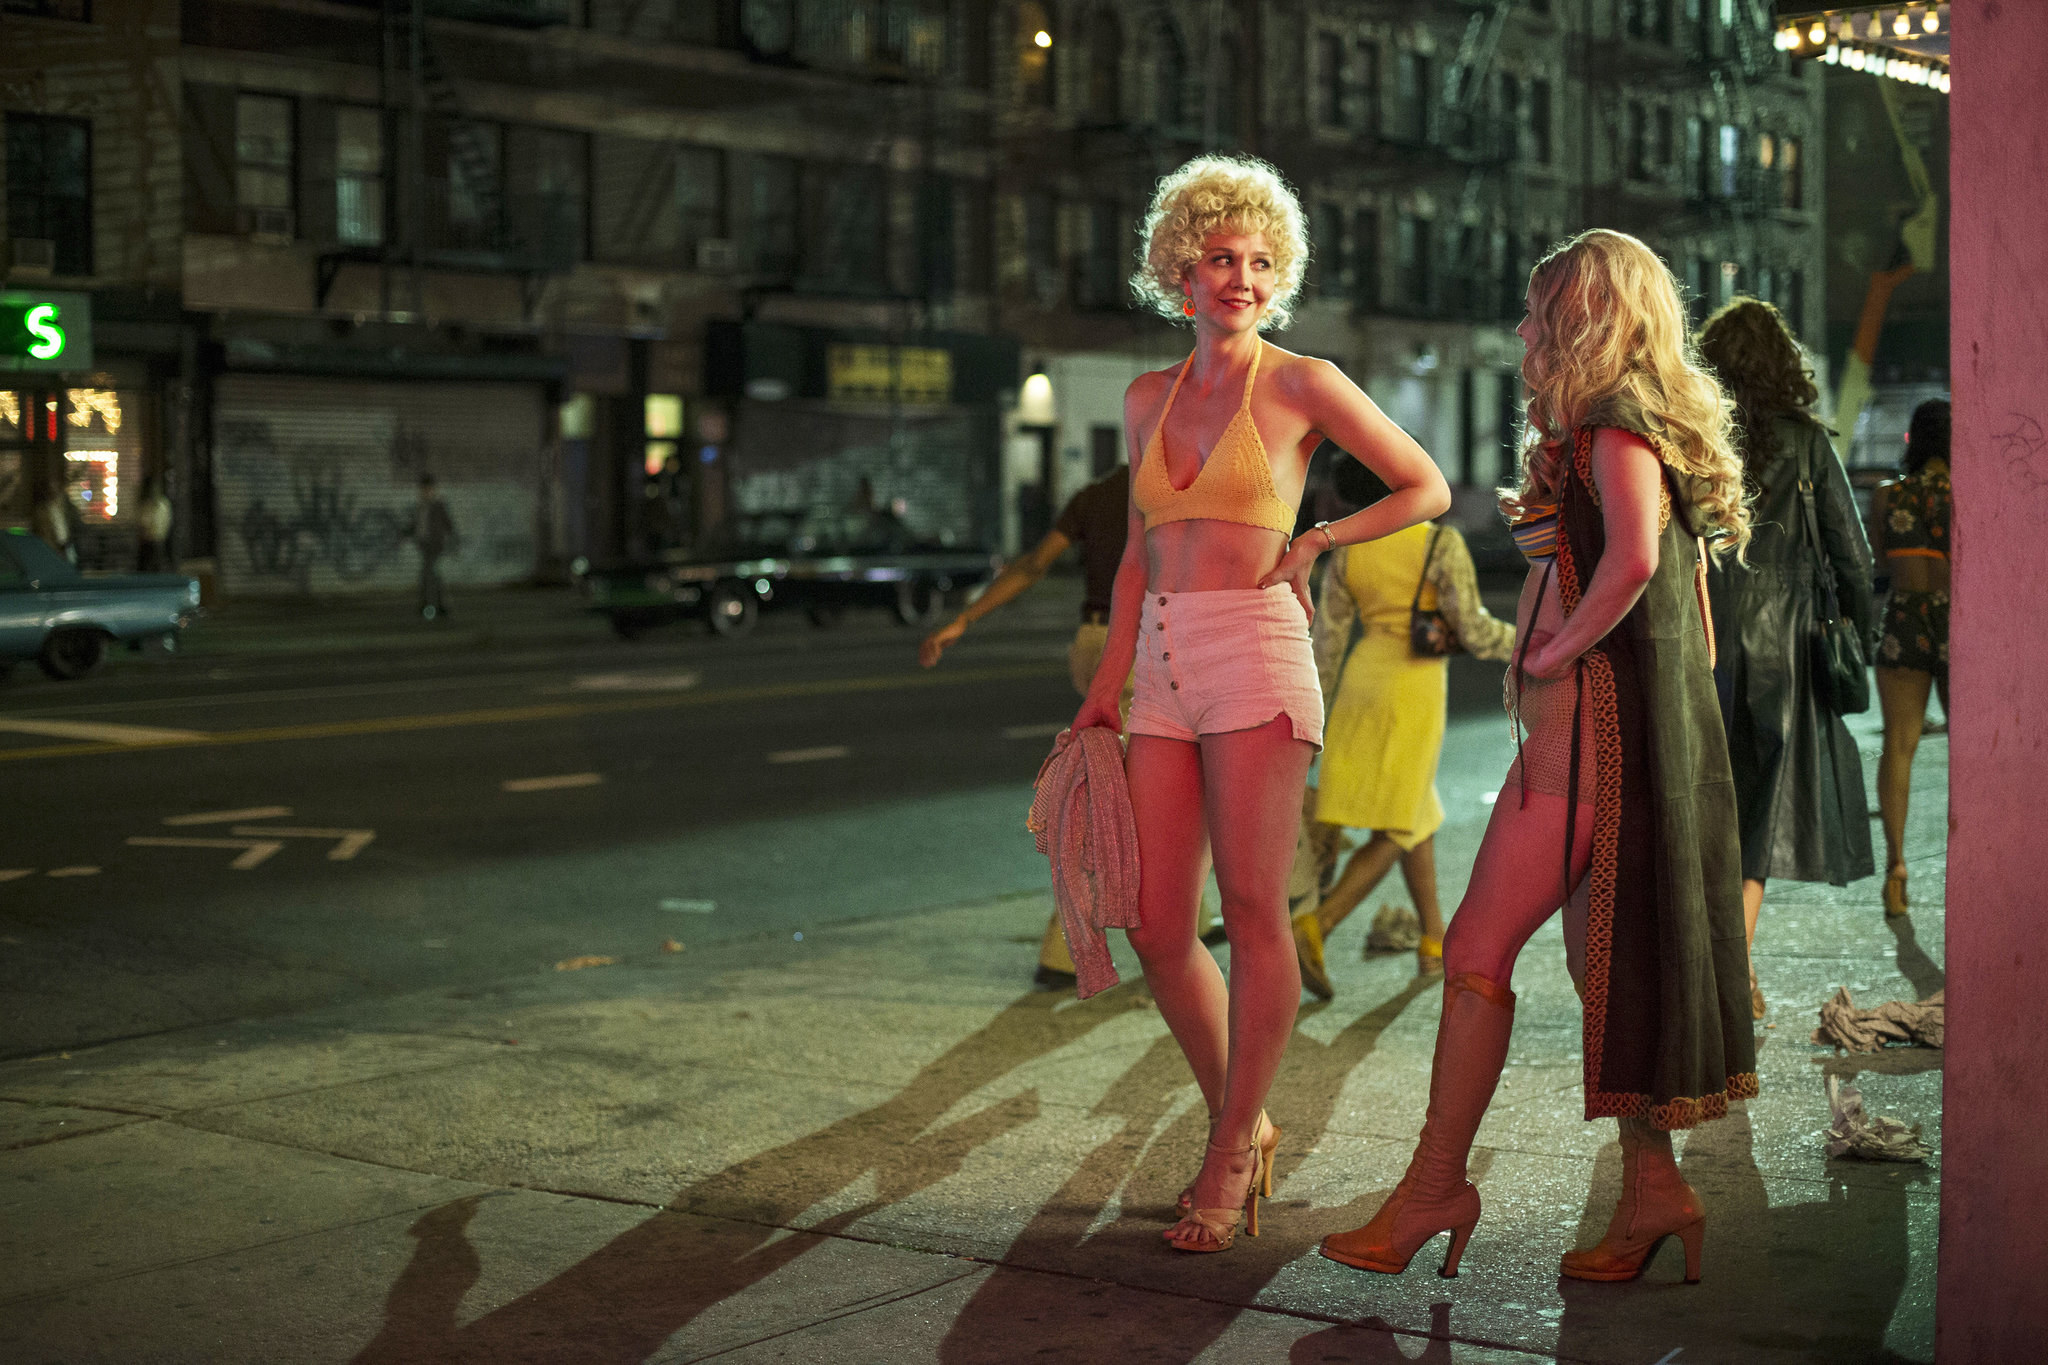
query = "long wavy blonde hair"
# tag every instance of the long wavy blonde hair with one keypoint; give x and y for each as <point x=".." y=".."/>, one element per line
<point x="1611" y="338"/>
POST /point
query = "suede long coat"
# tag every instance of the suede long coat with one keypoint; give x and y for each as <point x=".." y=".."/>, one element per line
<point x="1798" y="776"/>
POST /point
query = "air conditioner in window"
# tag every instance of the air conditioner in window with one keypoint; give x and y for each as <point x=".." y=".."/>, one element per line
<point x="717" y="255"/>
<point x="267" y="225"/>
<point x="31" y="257"/>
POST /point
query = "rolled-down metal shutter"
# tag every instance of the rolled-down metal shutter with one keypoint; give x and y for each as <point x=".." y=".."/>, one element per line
<point x="316" y="480"/>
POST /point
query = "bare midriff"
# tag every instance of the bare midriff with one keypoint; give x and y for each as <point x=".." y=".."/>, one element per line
<point x="1917" y="570"/>
<point x="1549" y="611"/>
<point x="1209" y="556"/>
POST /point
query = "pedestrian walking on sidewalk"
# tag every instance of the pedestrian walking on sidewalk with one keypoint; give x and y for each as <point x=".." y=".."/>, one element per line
<point x="1387" y="708"/>
<point x="1911" y="514"/>
<point x="1211" y="607"/>
<point x="1620" y="801"/>
<point x="53" y="519"/>
<point x="433" y="531"/>
<point x="1798" y="774"/>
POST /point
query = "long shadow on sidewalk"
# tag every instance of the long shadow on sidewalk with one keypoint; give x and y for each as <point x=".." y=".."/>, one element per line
<point x="1105" y="1222"/>
<point x="620" y="1303"/>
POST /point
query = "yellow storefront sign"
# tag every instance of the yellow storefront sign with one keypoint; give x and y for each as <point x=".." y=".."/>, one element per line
<point x="882" y="374"/>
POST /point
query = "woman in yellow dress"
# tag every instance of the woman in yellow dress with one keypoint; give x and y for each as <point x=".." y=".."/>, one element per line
<point x="1386" y="708"/>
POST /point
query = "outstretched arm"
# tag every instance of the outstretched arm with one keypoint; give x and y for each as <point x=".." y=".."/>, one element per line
<point x="1338" y="410"/>
<point x="1628" y="477"/>
<point x="1019" y="574"/>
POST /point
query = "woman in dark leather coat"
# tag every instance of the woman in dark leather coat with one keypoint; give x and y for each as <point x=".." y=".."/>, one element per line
<point x="1798" y="775"/>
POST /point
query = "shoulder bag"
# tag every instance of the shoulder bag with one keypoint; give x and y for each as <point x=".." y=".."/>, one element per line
<point x="1840" y="676"/>
<point x="1429" y="632"/>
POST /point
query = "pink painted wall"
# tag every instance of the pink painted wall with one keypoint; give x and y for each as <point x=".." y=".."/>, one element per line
<point x="1993" y="1295"/>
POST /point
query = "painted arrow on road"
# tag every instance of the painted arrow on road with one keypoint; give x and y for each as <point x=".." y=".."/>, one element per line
<point x="348" y="842"/>
<point x="255" y="851"/>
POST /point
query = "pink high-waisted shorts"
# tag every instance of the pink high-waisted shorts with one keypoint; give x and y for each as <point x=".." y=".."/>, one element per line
<point x="1211" y="662"/>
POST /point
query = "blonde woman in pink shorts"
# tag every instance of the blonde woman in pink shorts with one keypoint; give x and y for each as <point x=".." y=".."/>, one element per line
<point x="1211" y="606"/>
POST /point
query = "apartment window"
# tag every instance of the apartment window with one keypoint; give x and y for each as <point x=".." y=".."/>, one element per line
<point x="1041" y="246"/>
<point x="1326" y="229"/>
<point x="1795" y="301"/>
<point x="49" y="186"/>
<point x="1413" y="74"/>
<point x="768" y="26"/>
<point x="1729" y="161"/>
<point x="1539" y="6"/>
<point x="1329" y="82"/>
<point x="263" y="162"/>
<point x="1102" y="282"/>
<point x="937" y="250"/>
<point x="476" y="162"/>
<point x="843" y="246"/>
<point x="1417" y="269"/>
<point x="358" y="176"/>
<point x="1369" y="88"/>
<point x="551" y="180"/>
<point x="1539" y="122"/>
<point x="1791" y="172"/>
<point x="1667" y="148"/>
<point x="1638" y="134"/>
<point x="1171" y="71"/>
<point x="700" y="197"/>
<point x="1365" y="259"/>
<point x="1511" y="113"/>
<point x="1105" y="66"/>
<point x="1034" y="39"/>
<point x="771" y="215"/>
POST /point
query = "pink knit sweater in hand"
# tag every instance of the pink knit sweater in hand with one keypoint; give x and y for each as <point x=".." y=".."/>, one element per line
<point x="1081" y="813"/>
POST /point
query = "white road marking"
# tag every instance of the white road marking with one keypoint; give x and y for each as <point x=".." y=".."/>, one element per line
<point x="687" y="906"/>
<point x="1045" y="731"/>
<point x="349" y="842"/>
<point x="80" y="871"/>
<point x="99" y="732"/>
<point x="229" y="817"/>
<point x="10" y="874"/>
<point x="637" y="682"/>
<point x="255" y="851"/>
<point x="549" y="784"/>
<point x="809" y="755"/>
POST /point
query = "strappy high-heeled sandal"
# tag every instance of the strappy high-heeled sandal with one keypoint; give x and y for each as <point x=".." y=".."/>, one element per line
<point x="1269" y="1142"/>
<point x="1210" y="1230"/>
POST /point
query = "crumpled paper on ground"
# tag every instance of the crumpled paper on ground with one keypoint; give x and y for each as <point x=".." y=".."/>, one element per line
<point x="1846" y="1027"/>
<point x="1855" y="1133"/>
<point x="1395" y="929"/>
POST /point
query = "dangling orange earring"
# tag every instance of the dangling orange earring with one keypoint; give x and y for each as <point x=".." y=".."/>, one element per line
<point x="1188" y="307"/>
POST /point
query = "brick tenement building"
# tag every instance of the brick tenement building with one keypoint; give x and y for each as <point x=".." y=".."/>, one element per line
<point x="541" y="247"/>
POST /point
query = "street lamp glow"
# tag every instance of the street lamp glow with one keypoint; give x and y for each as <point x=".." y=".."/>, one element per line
<point x="1042" y="38"/>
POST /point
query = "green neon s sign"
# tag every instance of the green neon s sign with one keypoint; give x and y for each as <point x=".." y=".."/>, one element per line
<point x="41" y="322"/>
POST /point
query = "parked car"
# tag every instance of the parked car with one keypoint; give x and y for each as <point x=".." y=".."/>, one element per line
<point x="822" y="562"/>
<point x="63" y="619"/>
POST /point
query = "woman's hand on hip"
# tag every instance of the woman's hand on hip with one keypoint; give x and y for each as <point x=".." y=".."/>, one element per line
<point x="1295" y="562"/>
<point x="1542" y="661"/>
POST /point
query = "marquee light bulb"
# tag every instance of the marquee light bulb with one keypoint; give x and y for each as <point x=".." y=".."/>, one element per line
<point x="1818" y="33"/>
<point x="1931" y="21"/>
<point x="1901" y="25"/>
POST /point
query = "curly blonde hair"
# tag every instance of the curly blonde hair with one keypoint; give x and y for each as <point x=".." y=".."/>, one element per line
<point x="1611" y="339"/>
<point x="1213" y="194"/>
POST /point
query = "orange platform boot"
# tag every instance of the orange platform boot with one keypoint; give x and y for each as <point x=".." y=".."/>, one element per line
<point x="1655" y="1203"/>
<point x="1435" y="1196"/>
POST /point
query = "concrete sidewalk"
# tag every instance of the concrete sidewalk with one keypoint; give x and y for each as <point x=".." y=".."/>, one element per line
<point x="867" y="1143"/>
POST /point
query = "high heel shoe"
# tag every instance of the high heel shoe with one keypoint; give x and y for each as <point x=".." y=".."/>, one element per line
<point x="1655" y="1203"/>
<point x="1269" y="1142"/>
<point x="1206" y="1230"/>
<point x="1434" y="1195"/>
<point x="1429" y="956"/>
<point x="1895" y="902"/>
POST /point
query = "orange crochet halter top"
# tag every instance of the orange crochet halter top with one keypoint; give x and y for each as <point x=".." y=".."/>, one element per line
<point x="1234" y="484"/>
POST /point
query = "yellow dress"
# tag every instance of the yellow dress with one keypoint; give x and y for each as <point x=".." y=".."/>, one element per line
<point x="1385" y="727"/>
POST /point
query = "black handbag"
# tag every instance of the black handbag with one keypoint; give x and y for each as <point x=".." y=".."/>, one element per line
<point x="1429" y="632"/>
<point x="1841" y="677"/>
